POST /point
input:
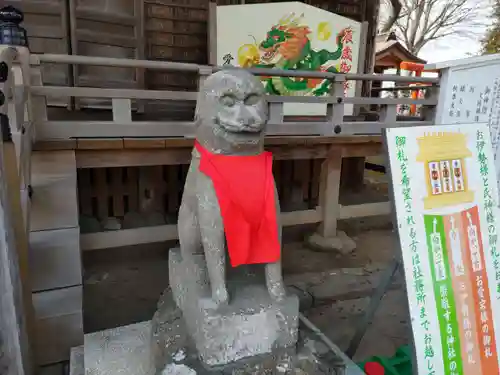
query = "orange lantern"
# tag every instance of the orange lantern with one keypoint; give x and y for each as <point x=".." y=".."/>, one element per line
<point x="418" y="69"/>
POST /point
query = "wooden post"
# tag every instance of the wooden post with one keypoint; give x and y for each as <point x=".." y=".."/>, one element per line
<point x="204" y="73"/>
<point x="389" y="115"/>
<point x="361" y="64"/>
<point x="353" y="174"/>
<point x="276" y="113"/>
<point x="122" y="111"/>
<point x="212" y="33"/>
<point x="329" y="192"/>
<point x="328" y="237"/>
<point x="15" y="304"/>
<point x="429" y="113"/>
<point x="335" y="112"/>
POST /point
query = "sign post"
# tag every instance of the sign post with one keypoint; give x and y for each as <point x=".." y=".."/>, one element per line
<point x="445" y="198"/>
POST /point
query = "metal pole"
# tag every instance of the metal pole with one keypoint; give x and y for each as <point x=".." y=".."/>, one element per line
<point x="382" y="288"/>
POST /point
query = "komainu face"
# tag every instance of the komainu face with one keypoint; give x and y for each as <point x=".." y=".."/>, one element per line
<point x="233" y="104"/>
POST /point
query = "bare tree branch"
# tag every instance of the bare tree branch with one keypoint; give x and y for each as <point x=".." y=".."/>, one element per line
<point x="423" y="21"/>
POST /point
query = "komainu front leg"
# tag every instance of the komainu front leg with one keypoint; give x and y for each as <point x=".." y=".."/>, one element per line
<point x="274" y="281"/>
<point x="274" y="277"/>
<point x="213" y="240"/>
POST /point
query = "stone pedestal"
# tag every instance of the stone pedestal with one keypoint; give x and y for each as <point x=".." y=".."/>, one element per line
<point x="188" y="336"/>
<point x="251" y="325"/>
<point x="341" y="243"/>
<point x="127" y="351"/>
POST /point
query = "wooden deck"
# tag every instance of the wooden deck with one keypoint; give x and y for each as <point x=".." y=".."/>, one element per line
<point x="126" y="152"/>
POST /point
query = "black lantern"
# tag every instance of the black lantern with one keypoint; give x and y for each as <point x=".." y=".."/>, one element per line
<point x="11" y="32"/>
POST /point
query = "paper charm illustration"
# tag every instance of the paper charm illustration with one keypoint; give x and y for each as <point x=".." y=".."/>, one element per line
<point x="457" y="256"/>
<point x="443" y="155"/>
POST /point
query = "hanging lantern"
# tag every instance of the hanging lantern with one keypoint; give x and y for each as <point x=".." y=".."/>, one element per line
<point x="11" y="33"/>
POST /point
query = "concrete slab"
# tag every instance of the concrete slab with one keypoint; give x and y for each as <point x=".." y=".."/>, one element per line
<point x="123" y="350"/>
<point x="76" y="362"/>
<point x="126" y="351"/>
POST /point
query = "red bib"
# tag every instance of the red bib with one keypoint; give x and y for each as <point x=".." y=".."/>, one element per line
<point x="244" y="187"/>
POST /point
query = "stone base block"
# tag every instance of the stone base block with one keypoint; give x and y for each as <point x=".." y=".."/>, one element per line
<point x="126" y="351"/>
<point x="253" y="324"/>
<point x="122" y="350"/>
<point x="76" y="362"/>
<point x="341" y="243"/>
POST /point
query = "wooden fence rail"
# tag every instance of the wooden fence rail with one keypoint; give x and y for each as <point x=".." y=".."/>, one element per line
<point x="126" y="123"/>
<point x="129" y="123"/>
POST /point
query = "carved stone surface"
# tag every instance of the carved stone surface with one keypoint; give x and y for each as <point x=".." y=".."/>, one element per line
<point x="125" y="351"/>
<point x="253" y="324"/>
<point x="119" y="351"/>
<point x="77" y="361"/>
<point x="231" y="114"/>
<point x="259" y="319"/>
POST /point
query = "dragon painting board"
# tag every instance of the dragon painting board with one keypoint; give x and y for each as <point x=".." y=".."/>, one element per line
<point x="289" y="35"/>
<point x="445" y="195"/>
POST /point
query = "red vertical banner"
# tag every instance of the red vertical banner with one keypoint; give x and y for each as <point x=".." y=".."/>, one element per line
<point x="480" y="291"/>
<point x="457" y="249"/>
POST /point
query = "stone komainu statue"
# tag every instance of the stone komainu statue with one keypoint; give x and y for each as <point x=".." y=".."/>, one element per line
<point x="229" y="195"/>
<point x="229" y="205"/>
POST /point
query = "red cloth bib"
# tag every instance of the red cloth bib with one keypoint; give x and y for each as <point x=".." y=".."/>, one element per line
<point x="244" y="187"/>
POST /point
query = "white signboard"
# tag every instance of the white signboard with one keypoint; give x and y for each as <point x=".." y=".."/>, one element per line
<point x="470" y="92"/>
<point x="293" y="36"/>
<point x="445" y="195"/>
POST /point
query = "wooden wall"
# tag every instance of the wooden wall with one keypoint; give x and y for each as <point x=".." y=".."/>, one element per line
<point x="174" y="30"/>
<point x="136" y="195"/>
<point x="48" y="32"/>
<point x="106" y="29"/>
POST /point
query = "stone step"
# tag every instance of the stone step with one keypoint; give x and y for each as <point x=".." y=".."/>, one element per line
<point x="59" y="323"/>
<point x="54" y="204"/>
<point x="76" y="362"/>
<point x="122" y="350"/>
<point x="55" y="258"/>
<point x="126" y="351"/>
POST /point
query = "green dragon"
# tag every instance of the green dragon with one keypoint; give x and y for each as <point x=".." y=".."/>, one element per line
<point x="288" y="47"/>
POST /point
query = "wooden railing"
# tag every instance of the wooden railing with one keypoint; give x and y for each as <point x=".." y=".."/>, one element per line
<point x="123" y="124"/>
<point x="16" y="309"/>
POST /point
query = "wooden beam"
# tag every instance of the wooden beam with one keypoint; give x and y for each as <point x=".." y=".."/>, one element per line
<point x="162" y="233"/>
<point x="127" y="237"/>
<point x="174" y="156"/>
<point x="136" y="143"/>
<point x="364" y="210"/>
<point x="131" y="157"/>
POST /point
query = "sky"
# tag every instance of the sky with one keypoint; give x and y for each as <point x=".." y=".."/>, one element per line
<point x="454" y="47"/>
<point x="449" y="48"/>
